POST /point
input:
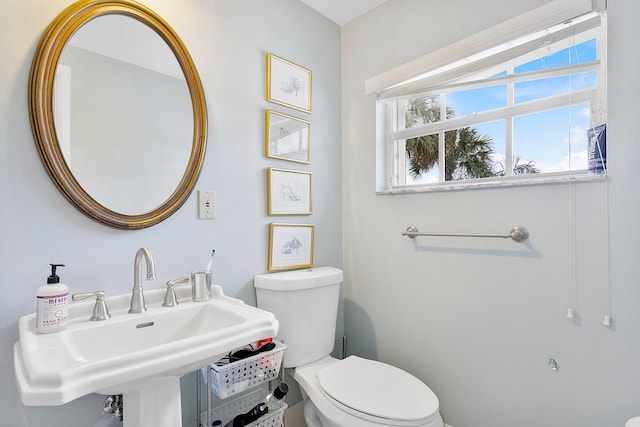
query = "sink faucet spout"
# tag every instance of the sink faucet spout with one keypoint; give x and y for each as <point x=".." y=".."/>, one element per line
<point x="137" y="304"/>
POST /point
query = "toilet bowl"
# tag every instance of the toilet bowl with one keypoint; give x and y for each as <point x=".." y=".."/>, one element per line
<point x="358" y="392"/>
<point x="353" y="392"/>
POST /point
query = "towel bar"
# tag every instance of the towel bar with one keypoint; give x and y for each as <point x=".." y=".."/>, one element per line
<point x="517" y="234"/>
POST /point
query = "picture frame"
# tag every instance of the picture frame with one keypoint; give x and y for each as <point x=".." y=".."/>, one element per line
<point x="289" y="192"/>
<point x="287" y="137"/>
<point x="290" y="246"/>
<point x="288" y="84"/>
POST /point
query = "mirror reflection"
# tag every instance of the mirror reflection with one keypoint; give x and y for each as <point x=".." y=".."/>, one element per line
<point x="123" y="114"/>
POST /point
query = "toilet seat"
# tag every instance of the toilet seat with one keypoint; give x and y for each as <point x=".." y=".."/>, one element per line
<point x="378" y="392"/>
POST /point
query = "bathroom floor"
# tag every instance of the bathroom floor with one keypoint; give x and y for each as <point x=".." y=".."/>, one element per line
<point x="294" y="416"/>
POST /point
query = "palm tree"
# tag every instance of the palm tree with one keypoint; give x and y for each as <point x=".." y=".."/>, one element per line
<point x="518" y="168"/>
<point x="523" y="169"/>
<point x="467" y="153"/>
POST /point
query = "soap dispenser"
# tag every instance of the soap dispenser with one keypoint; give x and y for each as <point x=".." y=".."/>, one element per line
<point x="52" y="301"/>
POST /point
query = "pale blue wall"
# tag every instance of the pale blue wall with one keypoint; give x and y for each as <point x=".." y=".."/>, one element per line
<point x="475" y="319"/>
<point x="228" y="40"/>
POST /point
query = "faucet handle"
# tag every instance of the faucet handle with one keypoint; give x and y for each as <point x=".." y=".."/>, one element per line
<point x="100" y="310"/>
<point x="170" y="299"/>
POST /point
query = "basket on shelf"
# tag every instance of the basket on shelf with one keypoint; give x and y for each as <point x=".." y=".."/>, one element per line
<point x="234" y="377"/>
<point x="241" y="405"/>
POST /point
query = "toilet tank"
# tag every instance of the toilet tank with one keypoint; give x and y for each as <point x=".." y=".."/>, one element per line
<point x="305" y="302"/>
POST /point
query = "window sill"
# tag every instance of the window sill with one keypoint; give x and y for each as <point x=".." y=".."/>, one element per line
<point x="512" y="181"/>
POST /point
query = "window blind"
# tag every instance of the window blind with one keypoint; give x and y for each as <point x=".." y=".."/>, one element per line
<point x="436" y="67"/>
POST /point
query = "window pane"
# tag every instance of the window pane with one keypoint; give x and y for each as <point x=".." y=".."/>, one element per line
<point x="422" y="110"/>
<point x="468" y="154"/>
<point x="422" y="155"/>
<point x="471" y="101"/>
<point x="497" y="132"/>
<point x="552" y="141"/>
<point x="537" y="89"/>
<point x="578" y="54"/>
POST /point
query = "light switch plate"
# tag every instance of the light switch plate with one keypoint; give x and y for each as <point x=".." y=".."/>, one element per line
<point x="206" y="205"/>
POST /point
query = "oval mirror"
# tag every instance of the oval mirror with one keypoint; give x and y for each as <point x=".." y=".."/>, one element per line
<point x="118" y="112"/>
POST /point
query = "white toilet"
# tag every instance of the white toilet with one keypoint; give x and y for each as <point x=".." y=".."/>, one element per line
<point x="352" y="392"/>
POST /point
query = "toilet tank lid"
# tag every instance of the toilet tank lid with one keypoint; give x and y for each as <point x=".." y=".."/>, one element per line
<point x="308" y="278"/>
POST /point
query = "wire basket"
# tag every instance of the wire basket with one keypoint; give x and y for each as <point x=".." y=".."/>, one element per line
<point x="235" y="377"/>
<point x="274" y="418"/>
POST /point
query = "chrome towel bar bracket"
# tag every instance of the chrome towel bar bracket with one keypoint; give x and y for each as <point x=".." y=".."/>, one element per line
<point x="517" y="234"/>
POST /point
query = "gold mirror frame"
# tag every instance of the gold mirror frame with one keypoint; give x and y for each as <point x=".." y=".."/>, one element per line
<point x="41" y="81"/>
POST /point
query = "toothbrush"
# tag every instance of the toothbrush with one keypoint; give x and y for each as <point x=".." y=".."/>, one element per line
<point x="210" y="264"/>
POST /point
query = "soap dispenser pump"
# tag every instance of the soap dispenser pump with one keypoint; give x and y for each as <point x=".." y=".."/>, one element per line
<point x="52" y="301"/>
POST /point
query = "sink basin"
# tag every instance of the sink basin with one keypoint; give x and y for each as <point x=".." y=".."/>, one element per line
<point x="140" y="355"/>
<point x="137" y="333"/>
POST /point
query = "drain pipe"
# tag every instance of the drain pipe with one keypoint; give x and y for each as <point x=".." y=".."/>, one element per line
<point x="112" y="405"/>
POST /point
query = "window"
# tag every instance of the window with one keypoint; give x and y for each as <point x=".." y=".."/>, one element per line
<point x="518" y="111"/>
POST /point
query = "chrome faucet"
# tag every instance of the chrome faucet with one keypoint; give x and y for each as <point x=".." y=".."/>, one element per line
<point x="137" y="295"/>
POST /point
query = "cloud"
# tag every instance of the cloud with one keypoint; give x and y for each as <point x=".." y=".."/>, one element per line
<point x="577" y="137"/>
<point x="577" y="161"/>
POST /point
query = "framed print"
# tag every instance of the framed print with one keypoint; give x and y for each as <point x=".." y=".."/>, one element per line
<point x="287" y="137"/>
<point x="290" y="246"/>
<point x="288" y="84"/>
<point x="288" y="192"/>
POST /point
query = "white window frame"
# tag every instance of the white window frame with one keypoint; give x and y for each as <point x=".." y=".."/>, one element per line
<point x="414" y="79"/>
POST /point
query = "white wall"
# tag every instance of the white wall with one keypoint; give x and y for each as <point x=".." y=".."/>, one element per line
<point x="477" y="319"/>
<point x="228" y="40"/>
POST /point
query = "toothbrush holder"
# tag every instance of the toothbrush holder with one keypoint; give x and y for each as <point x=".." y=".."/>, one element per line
<point x="200" y="285"/>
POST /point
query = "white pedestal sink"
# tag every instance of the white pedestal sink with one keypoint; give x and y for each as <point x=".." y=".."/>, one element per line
<point x="141" y="356"/>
